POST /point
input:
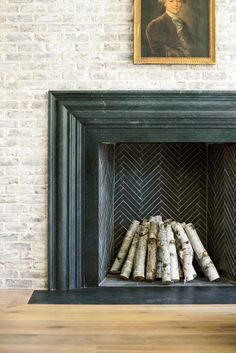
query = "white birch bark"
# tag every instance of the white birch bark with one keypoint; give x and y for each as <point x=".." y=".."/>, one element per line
<point x="166" y="270"/>
<point x="152" y="252"/>
<point x="159" y="255"/>
<point x="159" y="263"/>
<point x="187" y="252"/>
<point x="173" y="254"/>
<point x="181" y="262"/>
<point x="129" y="262"/>
<point x="181" y="274"/>
<point x="156" y="219"/>
<point x="204" y="259"/>
<point x="168" y="221"/>
<point x="124" y="247"/>
<point x="140" y="255"/>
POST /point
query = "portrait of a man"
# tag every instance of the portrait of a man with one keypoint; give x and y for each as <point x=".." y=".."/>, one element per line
<point x="174" y="31"/>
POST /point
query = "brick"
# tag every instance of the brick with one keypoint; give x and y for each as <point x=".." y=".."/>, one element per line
<point x="9" y="274"/>
<point x="19" y="37"/>
<point x="48" y="18"/>
<point x="32" y="28"/>
<point x="9" y="105"/>
<point x="8" y="237"/>
<point x="18" y="283"/>
<point x="31" y="274"/>
<point x="31" y="47"/>
<point x="10" y="256"/>
<point x="33" y="256"/>
<point x="18" y="246"/>
<point x="33" y="8"/>
<point x="9" y="161"/>
<point x="6" y="48"/>
<point x="8" y="198"/>
<point x="7" y="180"/>
<point x="38" y="284"/>
<point x="6" y="8"/>
<point x="21" y="264"/>
<point x="20" y="19"/>
<point x="20" y="1"/>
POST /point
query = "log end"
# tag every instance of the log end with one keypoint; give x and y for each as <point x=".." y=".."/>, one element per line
<point x="124" y="277"/>
<point x="150" y="277"/>
<point x="175" y="280"/>
<point x="214" y="278"/>
<point x="114" y="272"/>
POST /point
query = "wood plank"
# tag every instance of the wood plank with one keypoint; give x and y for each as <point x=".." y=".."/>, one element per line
<point x="14" y="297"/>
<point x="48" y="349"/>
<point x="114" y="329"/>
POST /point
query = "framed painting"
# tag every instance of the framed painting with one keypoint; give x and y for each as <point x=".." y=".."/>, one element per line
<point x="174" y="31"/>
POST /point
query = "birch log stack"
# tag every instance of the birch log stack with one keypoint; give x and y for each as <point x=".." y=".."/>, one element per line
<point x="125" y="247"/>
<point x="157" y="249"/>
<point x="204" y="259"/>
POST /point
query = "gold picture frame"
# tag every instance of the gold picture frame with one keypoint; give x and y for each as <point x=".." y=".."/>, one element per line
<point x="183" y="35"/>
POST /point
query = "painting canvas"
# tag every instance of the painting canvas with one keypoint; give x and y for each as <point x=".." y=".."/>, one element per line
<point x="174" y="31"/>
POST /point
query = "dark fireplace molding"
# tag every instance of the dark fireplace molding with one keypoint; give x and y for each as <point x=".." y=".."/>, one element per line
<point x="78" y="122"/>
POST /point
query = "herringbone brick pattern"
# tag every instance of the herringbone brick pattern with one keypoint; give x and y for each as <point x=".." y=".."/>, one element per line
<point x="221" y="207"/>
<point x="166" y="179"/>
<point x="187" y="182"/>
<point x="216" y="204"/>
<point x="230" y="210"/>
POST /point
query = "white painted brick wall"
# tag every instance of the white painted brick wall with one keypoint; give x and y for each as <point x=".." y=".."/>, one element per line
<point x="70" y="44"/>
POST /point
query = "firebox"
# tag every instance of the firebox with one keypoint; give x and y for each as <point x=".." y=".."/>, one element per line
<point x="188" y="182"/>
<point x="117" y="156"/>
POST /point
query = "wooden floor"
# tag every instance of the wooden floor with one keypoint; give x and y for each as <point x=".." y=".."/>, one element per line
<point x="114" y="329"/>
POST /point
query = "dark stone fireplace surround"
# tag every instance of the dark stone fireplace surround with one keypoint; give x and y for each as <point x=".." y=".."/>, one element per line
<point x="80" y="123"/>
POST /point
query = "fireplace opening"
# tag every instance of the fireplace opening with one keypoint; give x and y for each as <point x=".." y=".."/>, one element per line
<point x="186" y="182"/>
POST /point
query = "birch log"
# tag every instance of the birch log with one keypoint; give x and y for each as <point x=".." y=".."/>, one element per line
<point x="156" y="219"/>
<point x="129" y="262"/>
<point x="152" y="252"/>
<point x="181" y="262"/>
<point x="166" y="271"/>
<point x="159" y="263"/>
<point x="140" y="255"/>
<point x="187" y="251"/>
<point x="203" y="258"/>
<point x="124" y="247"/>
<point x="159" y="255"/>
<point x="181" y="274"/>
<point x="174" y="266"/>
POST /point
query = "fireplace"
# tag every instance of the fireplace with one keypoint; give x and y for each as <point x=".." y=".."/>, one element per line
<point x="116" y="156"/>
